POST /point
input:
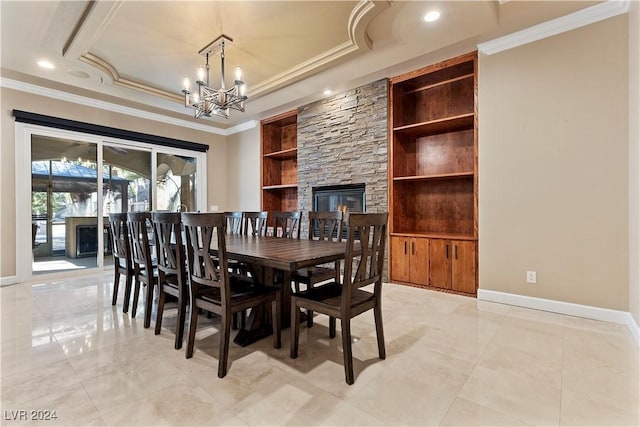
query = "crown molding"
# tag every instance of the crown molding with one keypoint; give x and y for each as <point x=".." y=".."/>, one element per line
<point x="556" y="26"/>
<point x="359" y="19"/>
<point x="108" y="106"/>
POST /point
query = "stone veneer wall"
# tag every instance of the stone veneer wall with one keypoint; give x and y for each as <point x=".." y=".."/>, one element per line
<point x="343" y="140"/>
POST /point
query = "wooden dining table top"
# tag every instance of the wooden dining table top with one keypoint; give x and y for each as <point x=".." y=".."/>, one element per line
<point x="283" y="253"/>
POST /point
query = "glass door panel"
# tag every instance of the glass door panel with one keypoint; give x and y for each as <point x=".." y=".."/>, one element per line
<point x="126" y="182"/>
<point x="176" y="182"/>
<point x="63" y="204"/>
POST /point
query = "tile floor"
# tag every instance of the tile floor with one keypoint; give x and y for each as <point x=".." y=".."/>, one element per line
<point x="451" y="361"/>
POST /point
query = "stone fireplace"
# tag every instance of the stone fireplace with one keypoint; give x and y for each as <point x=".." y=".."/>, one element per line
<point x="342" y="143"/>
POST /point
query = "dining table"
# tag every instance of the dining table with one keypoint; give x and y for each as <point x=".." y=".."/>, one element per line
<point x="267" y="255"/>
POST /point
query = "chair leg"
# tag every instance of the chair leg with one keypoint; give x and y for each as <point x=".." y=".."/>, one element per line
<point x="234" y="323"/>
<point x="223" y="356"/>
<point x="295" y="328"/>
<point x="309" y="318"/>
<point x="332" y="327"/>
<point x="136" y="295"/>
<point x="276" y="320"/>
<point x="116" y="284"/>
<point x="182" y="308"/>
<point x="193" y="325"/>
<point x="346" y="350"/>
<point x="127" y="293"/>
<point x="309" y="312"/>
<point x="160" y="312"/>
<point x="148" y="305"/>
<point x="377" y="313"/>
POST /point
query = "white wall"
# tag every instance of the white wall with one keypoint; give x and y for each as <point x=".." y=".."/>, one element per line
<point x="634" y="161"/>
<point x="243" y="163"/>
<point x="553" y="162"/>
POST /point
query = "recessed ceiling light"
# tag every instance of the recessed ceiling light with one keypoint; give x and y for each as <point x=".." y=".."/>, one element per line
<point x="46" y="64"/>
<point x="431" y="16"/>
<point x="79" y="74"/>
<point x="327" y="92"/>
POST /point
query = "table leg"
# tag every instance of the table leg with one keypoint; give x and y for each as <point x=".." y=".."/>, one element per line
<point x="258" y="323"/>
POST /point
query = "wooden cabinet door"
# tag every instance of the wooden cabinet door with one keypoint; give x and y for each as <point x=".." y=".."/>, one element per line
<point x="440" y="263"/>
<point x="463" y="266"/>
<point x="400" y="259"/>
<point x="419" y="261"/>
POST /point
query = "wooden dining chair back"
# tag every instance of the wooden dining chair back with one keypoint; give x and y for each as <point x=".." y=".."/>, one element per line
<point x="364" y="261"/>
<point x="234" y="222"/>
<point x="145" y="271"/>
<point x="326" y="225"/>
<point x="121" y="252"/>
<point x="255" y="223"/>
<point x="212" y="288"/>
<point x="172" y="269"/>
<point x="322" y="226"/>
<point x="287" y="224"/>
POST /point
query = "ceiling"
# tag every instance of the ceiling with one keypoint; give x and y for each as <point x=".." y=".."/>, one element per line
<point x="136" y="53"/>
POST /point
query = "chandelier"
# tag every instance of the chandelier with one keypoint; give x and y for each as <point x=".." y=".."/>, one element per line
<point x="207" y="101"/>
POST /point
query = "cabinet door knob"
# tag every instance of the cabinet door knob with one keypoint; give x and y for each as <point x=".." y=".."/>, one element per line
<point x="446" y="251"/>
<point x="455" y="251"/>
<point x="413" y="248"/>
<point x="405" y="247"/>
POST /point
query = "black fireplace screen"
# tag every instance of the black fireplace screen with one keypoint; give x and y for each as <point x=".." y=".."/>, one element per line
<point x="346" y="198"/>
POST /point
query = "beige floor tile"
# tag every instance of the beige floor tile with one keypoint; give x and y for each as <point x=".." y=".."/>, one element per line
<point x="465" y="413"/>
<point x="532" y="401"/>
<point x="67" y="406"/>
<point x="173" y="406"/>
<point x="580" y="409"/>
<point x="451" y="360"/>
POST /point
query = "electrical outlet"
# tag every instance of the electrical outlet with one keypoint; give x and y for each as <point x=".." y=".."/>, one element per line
<point x="531" y="277"/>
<point x="214" y="208"/>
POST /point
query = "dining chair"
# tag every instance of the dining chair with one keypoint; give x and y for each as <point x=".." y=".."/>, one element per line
<point x="172" y="269"/>
<point x="234" y="226"/>
<point x="287" y="224"/>
<point x="212" y="288"/>
<point x="234" y="222"/>
<point x="145" y="271"/>
<point x="364" y="259"/>
<point x="255" y="223"/>
<point x="121" y="257"/>
<point x="322" y="226"/>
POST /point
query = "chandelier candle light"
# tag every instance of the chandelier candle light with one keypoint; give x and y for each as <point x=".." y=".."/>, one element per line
<point x="207" y="101"/>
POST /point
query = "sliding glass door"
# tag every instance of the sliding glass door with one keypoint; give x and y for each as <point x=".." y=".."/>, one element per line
<point x="76" y="180"/>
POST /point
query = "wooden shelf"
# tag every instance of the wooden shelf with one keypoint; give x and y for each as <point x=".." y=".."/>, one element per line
<point x="290" y="153"/>
<point x="454" y="175"/>
<point x="279" y="187"/>
<point x="279" y="169"/>
<point x="433" y="127"/>
<point x="452" y="236"/>
<point x="444" y="82"/>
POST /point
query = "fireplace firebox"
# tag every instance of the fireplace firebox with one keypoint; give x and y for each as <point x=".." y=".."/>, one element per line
<point x="346" y="198"/>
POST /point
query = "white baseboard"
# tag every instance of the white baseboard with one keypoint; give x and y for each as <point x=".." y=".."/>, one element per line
<point x="561" y="307"/>
<point x="6" y="281"/>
